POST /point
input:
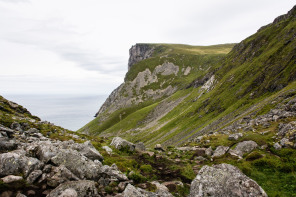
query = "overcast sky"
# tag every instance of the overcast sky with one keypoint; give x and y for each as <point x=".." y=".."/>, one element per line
<point x="81" y="46"/>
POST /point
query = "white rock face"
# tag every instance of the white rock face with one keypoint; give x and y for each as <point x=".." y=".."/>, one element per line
<point x="132" y="93"/>
<point x="224" y="180"/>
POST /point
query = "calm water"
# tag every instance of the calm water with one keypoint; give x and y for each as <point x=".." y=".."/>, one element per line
<point x="69" y="111"/>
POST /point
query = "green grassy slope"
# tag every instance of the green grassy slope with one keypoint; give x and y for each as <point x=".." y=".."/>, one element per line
<point x="254" y="71"/>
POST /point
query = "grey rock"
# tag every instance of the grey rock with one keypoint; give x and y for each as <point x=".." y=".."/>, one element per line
<point x="224" y="180"/>
<point x="69" y="193"/>
<point x="20" y="195"/>
<point x="11" y="179"/>
<point x="209" y="151"/>
<point x="220" y="151"/>
<point x="243" y="148"/>
<point x="284" y="128"/>
<point x="140" y="146"/>
<point x="162" y="190"/>
<point x="131" y="191"/>
<point x="34" y="176"/>
<point x="277" y="146"/>
<point x="284" y="142"/>
<point x="16" y="126"/>
<point x="88" y="150"/>
<point x="107" y="149"/>
<point x="138" y="53"/>
<point x="235" y="136"/>
<point x="82" y="188"/>
<point x="45" y="151"/>
<point x="7" y="144"/>
<point x="15" y="163"/>
<point x="114" y="172"/>
<point x="78" y="164"/>
<point x="60" y="175"/>
<point x="119" y="143"/>
<point x="9" y="132"/>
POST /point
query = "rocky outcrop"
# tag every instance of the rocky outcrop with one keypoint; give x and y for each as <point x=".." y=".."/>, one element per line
<point x="138" y="53"/>
<point x="224" y="180"/>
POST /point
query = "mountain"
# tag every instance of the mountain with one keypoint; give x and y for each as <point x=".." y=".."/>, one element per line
<point x="175" y="93"/>
<point x="197" y="121"/>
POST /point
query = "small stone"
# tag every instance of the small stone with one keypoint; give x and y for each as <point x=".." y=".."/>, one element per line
<point x="34" y="176"/>
<point x="107" y="149"/>
<point x="31" y="192"/>
<point x="158" y="147"/>
<point x="277" y="146"/>
<point x="11" y="179"/>
<point x="220" y="151"/>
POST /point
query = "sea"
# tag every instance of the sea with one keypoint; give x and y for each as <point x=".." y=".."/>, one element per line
<point x="68" y="111"/>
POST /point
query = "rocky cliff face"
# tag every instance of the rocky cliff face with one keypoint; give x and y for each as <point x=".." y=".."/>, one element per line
<point x="138" y="53"/>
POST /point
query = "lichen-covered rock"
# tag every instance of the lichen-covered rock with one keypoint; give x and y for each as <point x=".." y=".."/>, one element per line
<point x="69" y="193"/>
<point x="88" y="150"/>
<point x="114" y="172"/>
<point x="224" y="180"/>
<point x="82" y="188"/>
<point x="16" y="163"/>
<point x="60" y="175"/>
<point x="243" y="148"/>
<point x="78" y="164"/>
<point x="34" y="176"/>
<point x="220" y="151"/>
<point x="120" y="143"/>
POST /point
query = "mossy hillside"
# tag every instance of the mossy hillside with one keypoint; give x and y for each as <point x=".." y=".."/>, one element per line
<point x="199" y="62"/>
<point x="246" y="79"/>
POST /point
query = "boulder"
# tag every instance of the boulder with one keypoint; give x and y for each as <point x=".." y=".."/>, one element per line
<point x="16" y="126"/>
<point x="114" y="172"/>
<point x="88" y="150"/>
<point x="60" y="175"/>
<point x="220" y="151"/>
<point x="209" y="151"/>
<point x="34" y="176"/>
<point x="107" y="149"/>
<point x="162" y="190"/>
<point x="16" y="163"/>
<point x="45" y="151"/>
<point x="82" y="188"/>
<point x="7" y="144"/>
<point x="243" y="148"/>
<point x="131" y="191"/>
<point x="277" y="146"/>
<point x="78" y="164"/>
<point x="8" y="132"/>
<point x="69" y="193"/>
<point x="120" y="143"/>
<point x="235" y="136"/>
<point x="224" y="180"/>
<point x="140" y="146"/>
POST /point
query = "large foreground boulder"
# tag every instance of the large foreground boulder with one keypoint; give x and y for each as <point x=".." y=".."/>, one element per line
<point x="120" y="143"/>
<point x="79" y="188"/>
<point x="224" y="180"/>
